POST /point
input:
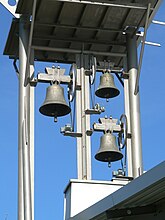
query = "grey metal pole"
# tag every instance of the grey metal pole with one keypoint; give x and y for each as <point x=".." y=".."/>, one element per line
<point x="83" y="121"/>
<point x="26" y="171"/>
<point x="83" y="124"/>
<point x="127" y="113"/>
<point x="78" y="120"/>
<point x="87" y="122"/>
<point x="31" y="90"/>
<point x="22" y="94"/>
<point x="24" y="191"/>
<point x="136" y="143"/>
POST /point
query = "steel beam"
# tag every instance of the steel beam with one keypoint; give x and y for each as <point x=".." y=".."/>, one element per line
<point x="88" y="28"/>
<point x="106" y="3"/>
<point x="136" y="145"/>
<point x="81" y="41"/>
<point x="77" y="51"/>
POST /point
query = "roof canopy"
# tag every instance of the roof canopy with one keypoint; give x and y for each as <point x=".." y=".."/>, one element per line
<point x="63" y="28"/>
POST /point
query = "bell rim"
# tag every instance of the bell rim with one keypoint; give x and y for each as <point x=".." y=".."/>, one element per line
<point x="99" y="156"/>
<point x="113" y="92"/>
<point x="49" y="113"/>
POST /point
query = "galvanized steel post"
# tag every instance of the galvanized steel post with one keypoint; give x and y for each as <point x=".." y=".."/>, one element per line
<point x="136" y="143"/>
<point x="24" y="185"/>
<point x="127" y="113"/>
<point x="83" y="121"/>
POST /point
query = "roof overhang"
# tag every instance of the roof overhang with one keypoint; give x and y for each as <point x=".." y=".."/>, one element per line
<point x="141" y="196"/>
<point x="63" y="28"/>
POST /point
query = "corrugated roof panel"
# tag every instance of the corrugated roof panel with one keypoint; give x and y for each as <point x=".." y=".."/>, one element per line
<point x="48" y="13"/>
<point x="24" y="7"/>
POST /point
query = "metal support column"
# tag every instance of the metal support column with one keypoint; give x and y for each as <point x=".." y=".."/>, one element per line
<point x="24" y="186"/>
<point x="30" y="96"/>
<point x="127" y="113"/>
<point x="83" y="121"/>
<point x="136" y="144"/>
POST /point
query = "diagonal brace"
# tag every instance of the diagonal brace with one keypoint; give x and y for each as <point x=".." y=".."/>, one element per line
<point x="142" y="50"/>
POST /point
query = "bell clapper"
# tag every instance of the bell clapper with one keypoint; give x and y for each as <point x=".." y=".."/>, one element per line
<point x="109" y="164"/>
<point x="55" y="119"/>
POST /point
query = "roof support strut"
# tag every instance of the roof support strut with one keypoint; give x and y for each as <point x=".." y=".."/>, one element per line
<point x="142" y="50"/>
<point x="30" y="40"/>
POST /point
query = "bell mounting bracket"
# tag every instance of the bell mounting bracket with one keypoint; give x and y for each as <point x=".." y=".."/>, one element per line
<point x="107" y="124"/>
<point x="53" y="74"/>
<point x="112" y="125"/>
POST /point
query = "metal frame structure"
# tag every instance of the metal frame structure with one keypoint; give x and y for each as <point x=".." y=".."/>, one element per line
<point x="122" y="49"/>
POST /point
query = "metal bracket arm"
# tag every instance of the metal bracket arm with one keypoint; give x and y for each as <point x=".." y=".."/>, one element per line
<point x="96" y="110"/>
<point x="93" y="111"/>
<point x="72" y="134"/>
<point x="67" y="131"/>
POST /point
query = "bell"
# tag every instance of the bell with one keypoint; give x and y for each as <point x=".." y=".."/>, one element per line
<point x="108" y="151"/>
<point x="107" y="88"/>
<point x="55" y="104"/>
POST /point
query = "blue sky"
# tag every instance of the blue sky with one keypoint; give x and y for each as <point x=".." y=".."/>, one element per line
<point x="55" y="155"/>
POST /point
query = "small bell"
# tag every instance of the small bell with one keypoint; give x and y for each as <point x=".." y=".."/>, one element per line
<point x="107" y="88"/>
<point x="55" y="104"/>
<point x="108" y="151"/>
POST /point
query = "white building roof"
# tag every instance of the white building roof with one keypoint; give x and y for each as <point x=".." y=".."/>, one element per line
<point x="145" y="194"/>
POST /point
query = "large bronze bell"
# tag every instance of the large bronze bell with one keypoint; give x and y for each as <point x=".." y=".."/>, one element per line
<point x="55" y="104"/>
<point x="108" y="151"/>
<point x="107" y="88"/>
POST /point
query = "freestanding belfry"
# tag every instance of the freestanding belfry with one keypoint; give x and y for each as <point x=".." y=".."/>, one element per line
<point x="91" y="36"/>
